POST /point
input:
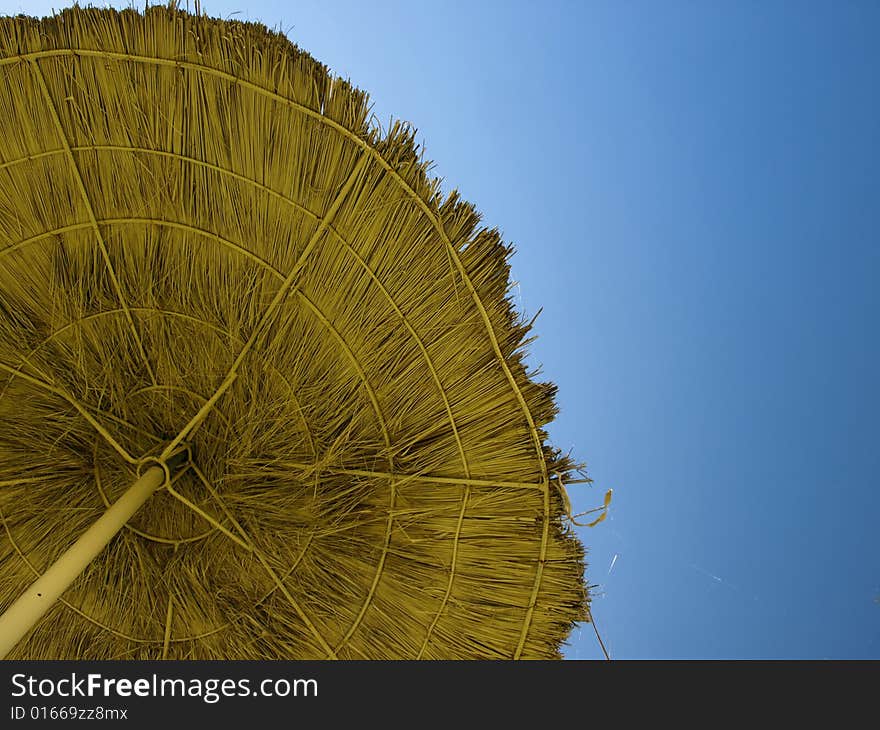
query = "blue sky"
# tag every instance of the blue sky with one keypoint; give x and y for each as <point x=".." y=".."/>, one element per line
<point x="692" y="191"/>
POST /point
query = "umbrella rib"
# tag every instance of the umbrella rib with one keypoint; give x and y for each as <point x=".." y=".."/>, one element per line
<point x="40" y="236"/>
<point x="180" y="389"/>
<point x="168" y="618"/>
<point x="31" y="158"/>
<point x="77" y="176"/>
<point x="16" y="372"/>
<point x="199" y="231"/>
<point x="145" y="221"/>
<point x="265" y="596"/>
<point x="171" y="155"/>
<point x="208" y="518"/>
<point x="220" y="330"/>
<point x="311" y="306"/>
<point x="265" y="563"/>
<point x="436" y="377"/>
<point x="25" y="360"/>
<point x="545" y="533"/>
<point x="423" y="478"/>
<point x="147" y="536"/>
<point x="280" y="295"/>
<point x="22" y="480"/>
<point x="183" y="158"/>
<point x="387" y="438"/>
<point x="188" y="317"/>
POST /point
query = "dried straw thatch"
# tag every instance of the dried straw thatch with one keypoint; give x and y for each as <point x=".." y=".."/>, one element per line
<point x="204" y="236"/>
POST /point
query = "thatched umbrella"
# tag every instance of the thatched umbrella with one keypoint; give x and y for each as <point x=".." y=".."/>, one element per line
<point x="256" y="369"/>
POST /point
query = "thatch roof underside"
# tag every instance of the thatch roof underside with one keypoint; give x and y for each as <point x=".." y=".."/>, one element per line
<point x="197" y="218"/>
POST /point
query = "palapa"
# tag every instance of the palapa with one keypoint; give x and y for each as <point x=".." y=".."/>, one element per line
<point x="222" y="281"/>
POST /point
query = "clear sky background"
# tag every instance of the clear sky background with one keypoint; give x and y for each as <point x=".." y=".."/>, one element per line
<point x="693" y="192"/>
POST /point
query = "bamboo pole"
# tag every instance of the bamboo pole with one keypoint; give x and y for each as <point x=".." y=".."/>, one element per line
<point x="22" y="615"/>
